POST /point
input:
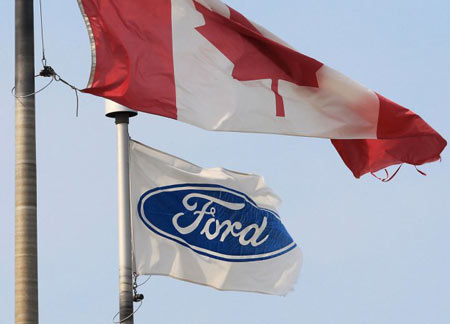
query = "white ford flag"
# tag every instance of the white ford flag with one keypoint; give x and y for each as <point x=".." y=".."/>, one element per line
<point x="213" y="227"/>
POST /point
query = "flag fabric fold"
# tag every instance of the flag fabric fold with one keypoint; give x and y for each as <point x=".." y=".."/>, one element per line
<point x="213" y="227"/>
<point x="203" y="63"/>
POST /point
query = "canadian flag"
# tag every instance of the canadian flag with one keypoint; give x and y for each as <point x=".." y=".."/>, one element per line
<point x="203" y="63"/>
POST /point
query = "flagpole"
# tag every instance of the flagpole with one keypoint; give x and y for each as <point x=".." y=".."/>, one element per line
<point x="26" y="268"/>
<point x="122" y="116"/>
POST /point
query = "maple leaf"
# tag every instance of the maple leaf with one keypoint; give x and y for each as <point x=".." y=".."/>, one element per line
<point x="256" y="57"/>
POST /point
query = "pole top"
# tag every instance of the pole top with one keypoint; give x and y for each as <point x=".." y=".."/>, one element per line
<point x="112" y="109"/>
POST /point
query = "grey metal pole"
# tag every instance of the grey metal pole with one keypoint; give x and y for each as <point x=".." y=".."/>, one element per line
<point x="26" y="269"/>
<point x="122" y="115"/>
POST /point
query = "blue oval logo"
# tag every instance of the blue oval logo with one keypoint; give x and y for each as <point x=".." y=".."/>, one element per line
<point x="215" y="221"/>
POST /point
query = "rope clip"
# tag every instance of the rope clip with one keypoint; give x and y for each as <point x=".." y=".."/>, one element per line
<point x="47" y="72"/>
<point x="136" y="297"/>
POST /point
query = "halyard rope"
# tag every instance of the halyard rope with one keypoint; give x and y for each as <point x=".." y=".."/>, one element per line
<point x="128" y="317"/>
<point x="44" y="60"/>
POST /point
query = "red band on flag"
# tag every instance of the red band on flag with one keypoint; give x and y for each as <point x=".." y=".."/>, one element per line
<point x="403" y="137"/>
<point x="129" y="63"/>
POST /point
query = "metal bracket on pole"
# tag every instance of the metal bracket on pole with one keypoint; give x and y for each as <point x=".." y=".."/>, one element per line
<point x="122" y="116"/>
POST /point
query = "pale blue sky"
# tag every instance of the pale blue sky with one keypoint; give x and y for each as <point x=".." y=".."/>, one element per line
<point x="373" y="252"/>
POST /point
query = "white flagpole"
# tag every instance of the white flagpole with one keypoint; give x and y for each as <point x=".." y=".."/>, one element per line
<point x="122" y="116"/>
<point x="26" y="268"/>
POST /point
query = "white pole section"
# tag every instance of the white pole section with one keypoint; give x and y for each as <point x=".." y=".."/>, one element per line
<point x="26" y="268"/>
<point x="122" y="115"/>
